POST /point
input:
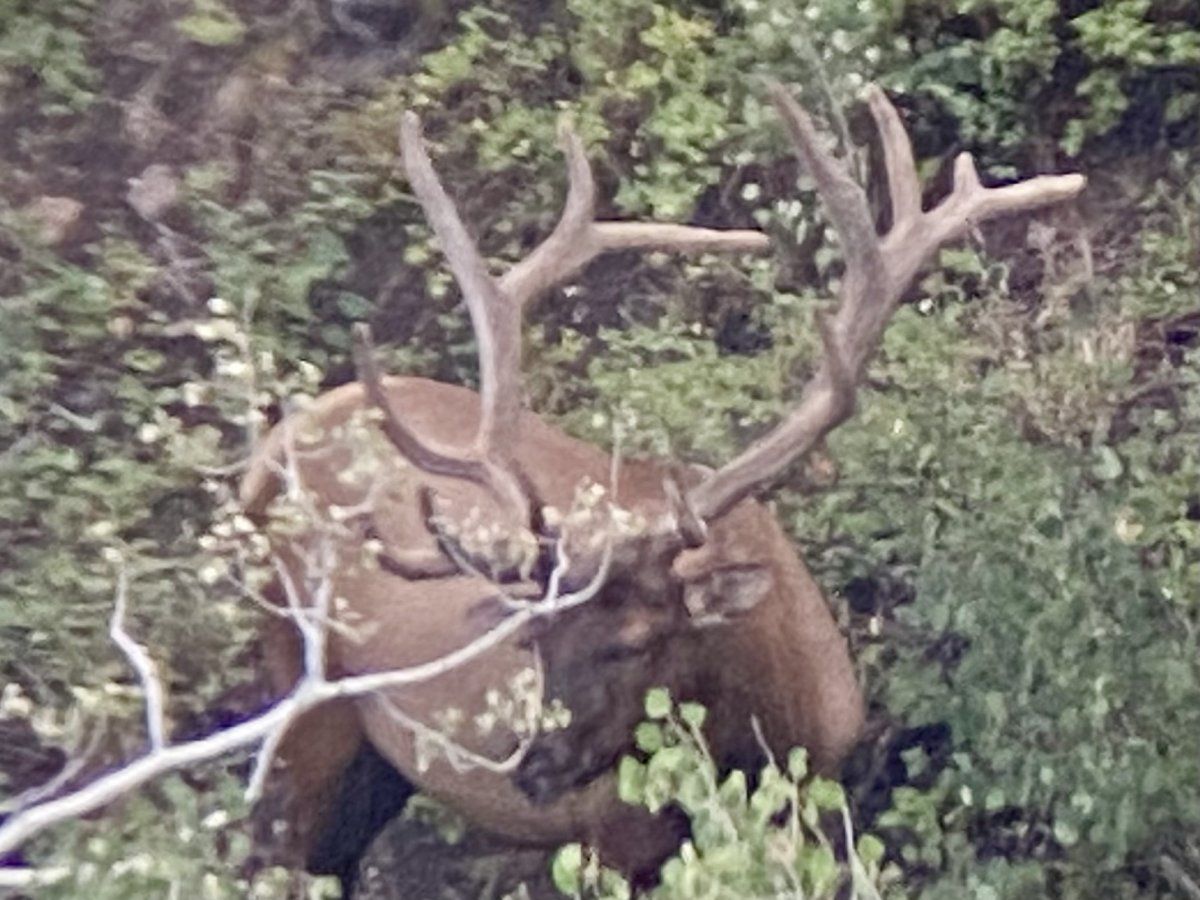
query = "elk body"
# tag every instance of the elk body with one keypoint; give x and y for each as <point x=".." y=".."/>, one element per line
<point x="448" y="514"/>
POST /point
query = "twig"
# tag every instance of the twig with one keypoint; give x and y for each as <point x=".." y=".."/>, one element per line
<point x="263" y="761"/>
<point x="59" y="781"/>
<point x="23" y="878"/>
<point x="145" y="667"/>
<point x="459" y="757"/>
<point x="756" y="727"/>
<point x="313" y="624"/>
<point x="859" y="878"/>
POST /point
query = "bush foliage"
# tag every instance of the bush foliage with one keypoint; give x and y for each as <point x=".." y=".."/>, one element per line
<point x="765" y="840"/>
<point x="1014" y="535"/>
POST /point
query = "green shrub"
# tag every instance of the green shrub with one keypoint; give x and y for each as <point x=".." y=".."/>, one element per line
<point x="201" y="852"/>
<point x="769" y="841"/>
<point x="46" y="47"/>
<point x="1055" y="581"/>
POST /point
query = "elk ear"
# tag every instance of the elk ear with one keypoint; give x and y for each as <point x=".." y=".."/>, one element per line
<point x="726" y="593"/>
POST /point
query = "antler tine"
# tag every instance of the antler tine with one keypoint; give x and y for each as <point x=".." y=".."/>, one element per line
<point x="578" y="238"/>
<point x="565" y="250"/>
<point x="495" y="305"/>
<point x="468" y="266"/>
<point x="904" y="187"/>
<point x="877" y="273"/>
<point x="435" y="460"/>
<point x="430" y="458"/>
<point x="968" y="204"/>
<point x="845" y="201"/>
<point x="496" y="319"/>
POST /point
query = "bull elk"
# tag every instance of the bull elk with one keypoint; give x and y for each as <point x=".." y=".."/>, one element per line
<point x="675" y="577"/>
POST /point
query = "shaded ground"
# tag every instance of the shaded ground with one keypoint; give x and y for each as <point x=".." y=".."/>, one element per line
<point x="410" y="860"/>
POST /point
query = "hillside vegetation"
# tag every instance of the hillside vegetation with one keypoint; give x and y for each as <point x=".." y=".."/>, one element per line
<point x="199" y="199"/>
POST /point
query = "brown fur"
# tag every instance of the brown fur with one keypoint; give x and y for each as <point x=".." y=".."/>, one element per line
<point x="783" y="660"/>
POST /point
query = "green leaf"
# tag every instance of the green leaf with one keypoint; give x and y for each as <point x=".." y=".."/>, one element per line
<point x="827" y="794"/>
<point x="797" y="763"/>
<point x="993" y="799"/>
<point x="818" y="867"/>
<point x="1108" y="466"/>
<point x="567" y="869"/>
<point x="733" y="791"/>
<point x="1066" y="833"/>
<point x="631" y="780"/>
<point x="870" y="849"/>
<point x="649" y="737"/>
<point x="693" y="714"/>
<point x="213" y="24"/>
<point x="658" y="703"/>
<point x="668" y="760"/>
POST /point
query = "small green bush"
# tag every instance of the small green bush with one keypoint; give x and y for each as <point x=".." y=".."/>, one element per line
<point x="768" y="841"/>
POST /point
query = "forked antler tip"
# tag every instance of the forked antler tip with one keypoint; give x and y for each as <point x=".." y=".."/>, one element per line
<point x="966" y="177"/>
<point x="572" y="147"/>
<point x="881" y="105"/>
<point x="1039" y="191"/>
<point x="567" y="135"/>
<point x="1072" y="183"/>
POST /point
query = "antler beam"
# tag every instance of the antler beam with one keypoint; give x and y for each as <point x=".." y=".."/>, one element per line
<point x="878" y="271"/>
<point x="495" y="318"/>
<point x="495" y="305"/>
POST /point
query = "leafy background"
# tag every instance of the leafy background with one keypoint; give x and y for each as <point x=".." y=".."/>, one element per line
<point x="200" y="198"/>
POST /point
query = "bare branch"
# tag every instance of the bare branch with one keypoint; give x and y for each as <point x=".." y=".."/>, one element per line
<point x="312" y="690"/>
<point x="460" y="758"/>
<point x="36" y="819"/>
<point x="265" y="758"/>
<point x="554" y="603"/>
<point x="145" y="667"/>
<point x="24" y="879"/>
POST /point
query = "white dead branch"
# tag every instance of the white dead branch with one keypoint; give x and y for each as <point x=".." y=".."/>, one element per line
<point x="268" y="728"/>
